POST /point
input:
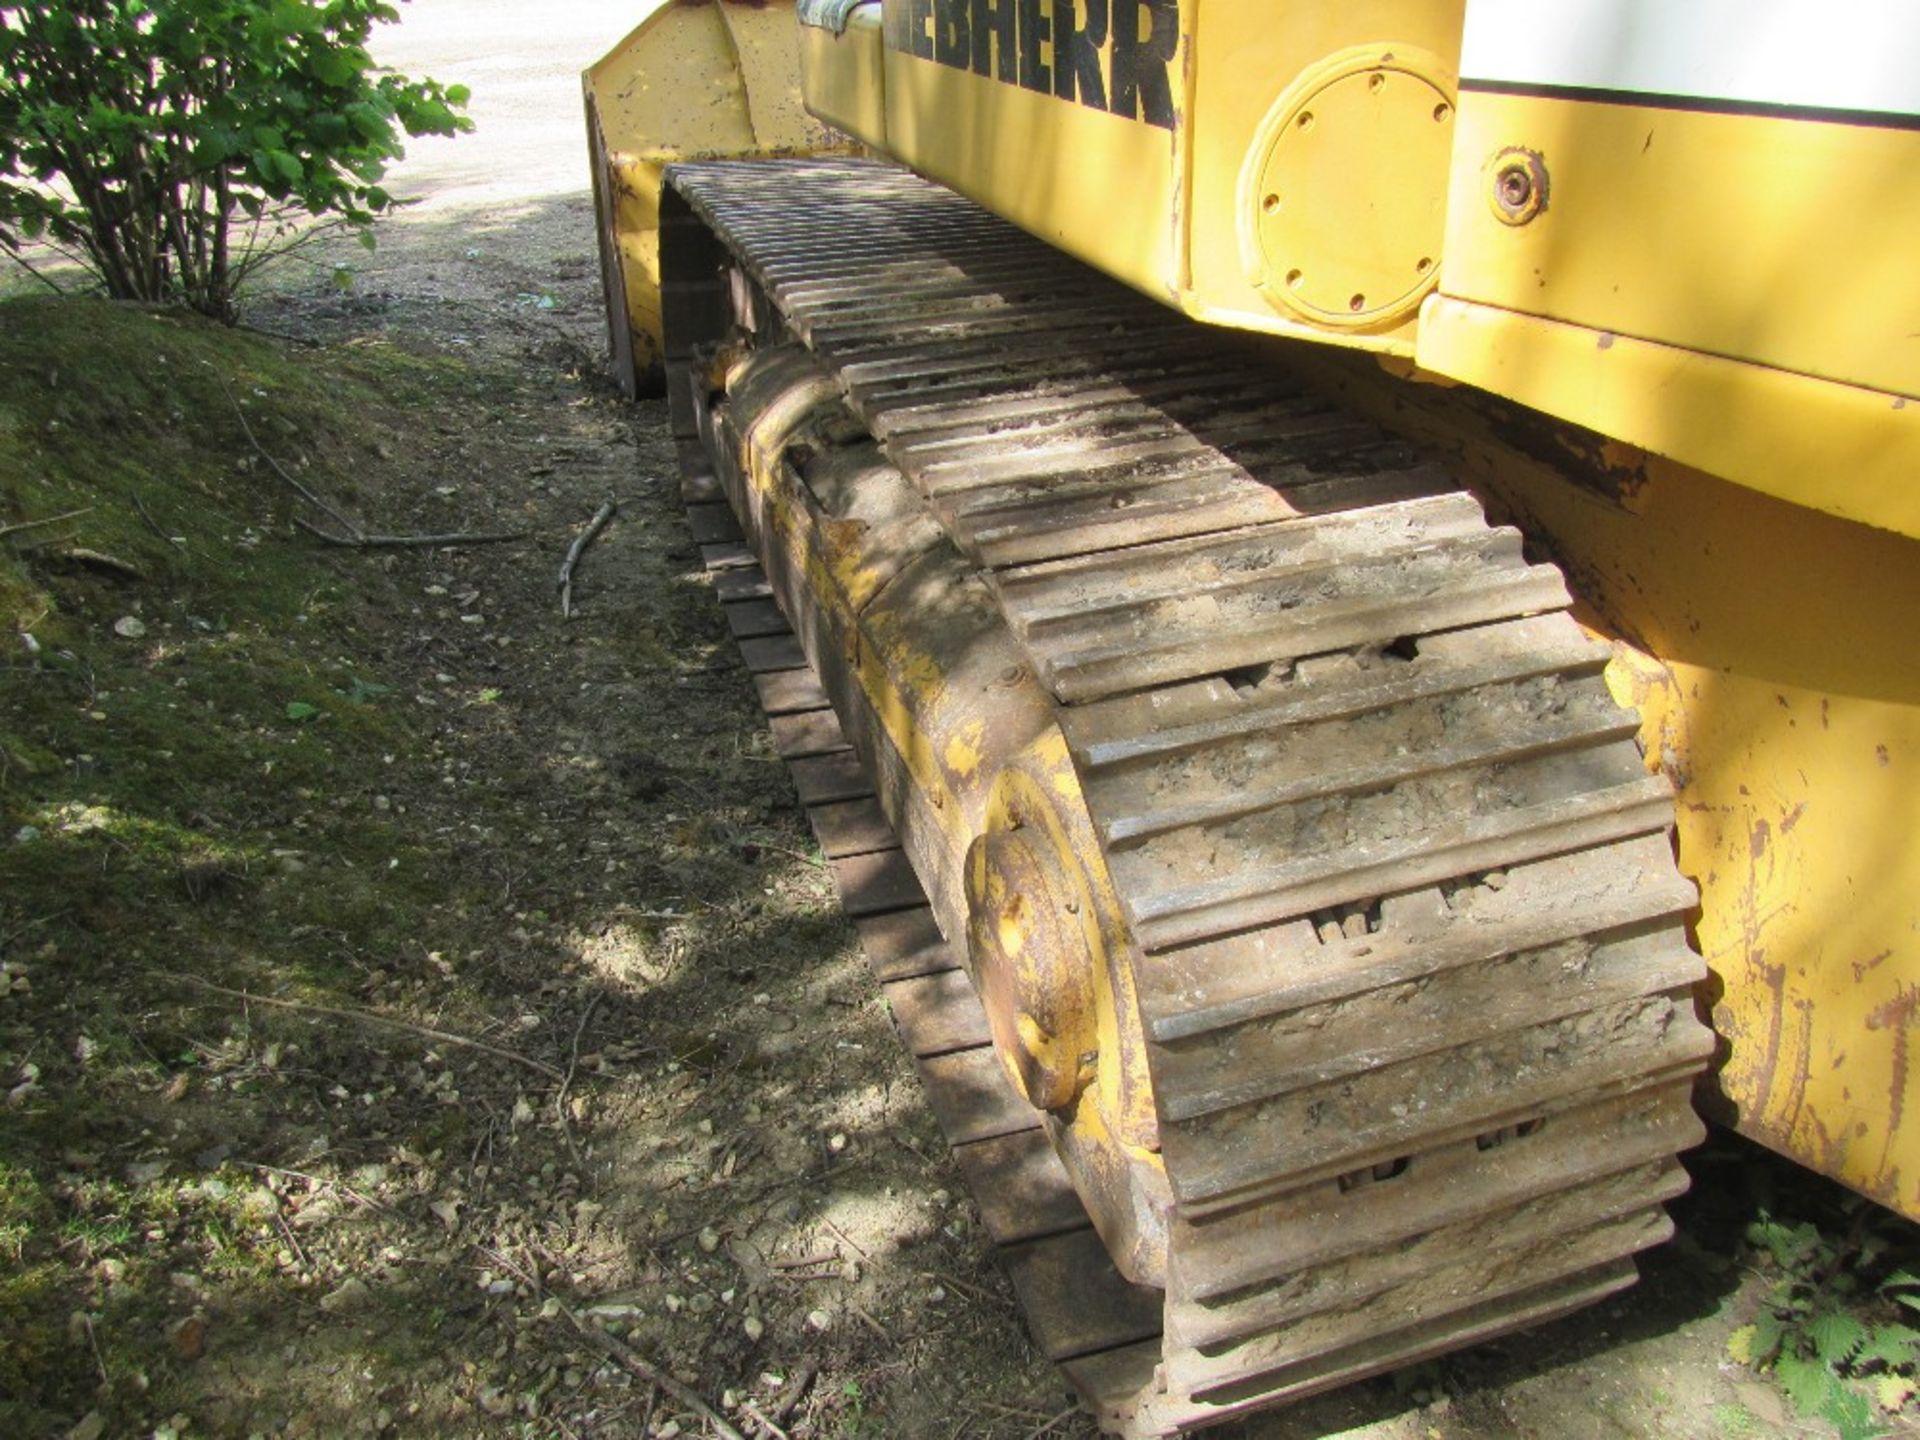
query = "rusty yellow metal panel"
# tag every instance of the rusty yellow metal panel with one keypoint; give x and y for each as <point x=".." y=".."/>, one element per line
<point x="1851" y="452"/>
<point x="693" y="81"/>
<point x="1796" y="817"/>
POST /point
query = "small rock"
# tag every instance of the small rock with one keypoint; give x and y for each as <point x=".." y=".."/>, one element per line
<point x="130" y="627"/>
<point x="709" y="1240"/>
<point x="754" y="1327"/>
<point x="349" y="1295"/>
<point x="819" y="1320"/>
<point x="836" y="1142"/>
<point x="189" y="1337"/>
<point x="493" y="1402"/>
<point x="675" y="1303"/>
<point x="91" y="1426"/>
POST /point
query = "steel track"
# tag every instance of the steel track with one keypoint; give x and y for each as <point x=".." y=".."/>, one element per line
<point x="1408" y="933"/>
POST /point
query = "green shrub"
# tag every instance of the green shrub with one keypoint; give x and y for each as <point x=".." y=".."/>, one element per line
<point x="174" y="145"/>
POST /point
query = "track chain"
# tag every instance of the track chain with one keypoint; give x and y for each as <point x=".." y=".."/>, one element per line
<point x="1410" y="947"/>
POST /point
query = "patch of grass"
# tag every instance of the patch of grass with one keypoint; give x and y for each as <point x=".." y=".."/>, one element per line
<point x="30" y="1278"/>
<point x="188" y="793"/>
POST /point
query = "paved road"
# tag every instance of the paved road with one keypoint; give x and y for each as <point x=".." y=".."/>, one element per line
<point x="522" y="59"/>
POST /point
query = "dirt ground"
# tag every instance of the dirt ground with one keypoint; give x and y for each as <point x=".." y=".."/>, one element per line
<point x="585" y="1050"/>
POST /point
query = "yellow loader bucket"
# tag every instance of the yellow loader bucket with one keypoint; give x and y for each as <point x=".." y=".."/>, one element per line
<point x="698" y="80"/>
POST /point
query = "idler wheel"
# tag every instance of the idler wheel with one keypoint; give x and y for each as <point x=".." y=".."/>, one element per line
<point x="1032" y="963"/>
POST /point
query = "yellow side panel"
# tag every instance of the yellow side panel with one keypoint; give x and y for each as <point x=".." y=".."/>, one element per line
<point x="843" y="76"/>
<point x="1245" y="54"/>
<point x="719" y="80"/>
<point x="1797" y="820"/>
<point x="1736" y="292"/>
<point x="1788" y="243"/>
<point x="1851" y="452"/>
<point x="1100" y="186"/>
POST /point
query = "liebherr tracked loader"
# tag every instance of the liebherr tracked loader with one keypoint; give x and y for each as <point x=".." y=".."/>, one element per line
<point x="1369" y="557"/>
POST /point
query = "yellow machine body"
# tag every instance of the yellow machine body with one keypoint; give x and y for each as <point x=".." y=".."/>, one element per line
<point x="1668" y="318"/>
<point x="694" y="81"/>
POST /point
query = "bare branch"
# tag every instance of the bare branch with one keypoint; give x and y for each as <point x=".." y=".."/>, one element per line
<point x="301" y="490"/>
<point x="576" y="550"/>
<point x="445" y="1037"/>
<point x="359" y="541"/>
<point x="17" y="527"/>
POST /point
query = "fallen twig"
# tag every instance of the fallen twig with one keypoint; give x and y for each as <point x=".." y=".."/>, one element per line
<point x="444" y="1036"/>
<point x="147" y="515"/>
<point x="566" y="1081"/>
<point x="805" y="1262"/>
<point x="293" y="1245"/>
<point x="18" y="526"/>
<point x="294" y="484"/>
<point x="81" y="555"/>
<point x="94" y="1342"/>
<point x="361" y="541"/>
<point x="962" y="1286"/>
<point x="637" y="1365"/>
<point x="306" y="341"/>
<point x="321" y="1180"/>
<point x="1051" y="1425"/>
<point x="799" y="855"/>
<point x="795" y="1392"/>
<point x="828" y="1222"/>
<point x="576" y="550"/>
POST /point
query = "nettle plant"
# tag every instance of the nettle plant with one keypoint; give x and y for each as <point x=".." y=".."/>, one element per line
<point x="174" y="146"/>
<point x="1837" y="1329"/>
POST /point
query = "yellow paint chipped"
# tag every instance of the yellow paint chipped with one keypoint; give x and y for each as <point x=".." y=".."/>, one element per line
<point x="963" y="750"/>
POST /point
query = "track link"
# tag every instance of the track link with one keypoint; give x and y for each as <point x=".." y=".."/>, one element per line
<point x="1407" y="933"/>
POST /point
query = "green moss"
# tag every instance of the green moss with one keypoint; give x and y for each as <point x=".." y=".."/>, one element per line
<point x="30" y="1281"/>
<point x="190" y="796"/>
